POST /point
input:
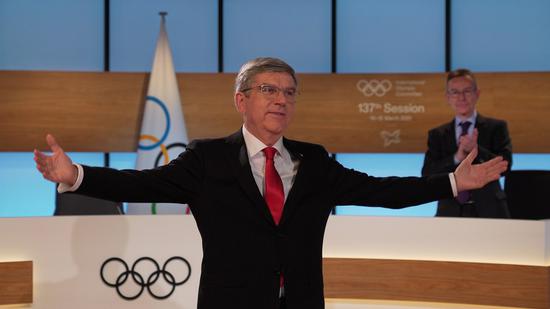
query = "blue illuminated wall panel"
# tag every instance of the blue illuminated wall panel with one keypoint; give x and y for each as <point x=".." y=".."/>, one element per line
<point x="531" y="161"/>
<point x="295" y="31"/>
<point x="57" y="35"/>
<point x="23" y="191"/>
<point x="501" y="35"/>
<point x="390" y="36"/>
<point x="192" y="31"/>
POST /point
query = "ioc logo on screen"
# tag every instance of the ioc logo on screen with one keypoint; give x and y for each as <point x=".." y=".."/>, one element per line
<point x="374" y="87"/>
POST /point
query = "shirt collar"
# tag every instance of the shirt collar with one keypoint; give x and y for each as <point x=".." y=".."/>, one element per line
<point x="254" y="145"/>
<point x="471" y="119"/>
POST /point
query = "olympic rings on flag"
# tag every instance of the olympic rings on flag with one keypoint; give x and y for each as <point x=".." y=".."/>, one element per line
<point x="167" y="129"/>
<point x="164" y="152"/>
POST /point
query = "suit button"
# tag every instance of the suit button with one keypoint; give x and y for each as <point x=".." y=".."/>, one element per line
<point x="281" y="235"/>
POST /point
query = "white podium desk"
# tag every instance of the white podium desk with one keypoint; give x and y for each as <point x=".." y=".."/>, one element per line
<point x="370" y="262"/>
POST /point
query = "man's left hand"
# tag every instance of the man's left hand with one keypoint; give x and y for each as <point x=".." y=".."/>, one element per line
<point x="470" y="176"/>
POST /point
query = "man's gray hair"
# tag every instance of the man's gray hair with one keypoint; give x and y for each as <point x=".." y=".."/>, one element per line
<point x="462" y="73"/>
<point x="249" y="70"/>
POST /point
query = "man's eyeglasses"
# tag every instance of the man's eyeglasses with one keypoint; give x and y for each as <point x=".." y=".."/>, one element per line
<point x="468" y="93"/>
<point x="272" y="92"/>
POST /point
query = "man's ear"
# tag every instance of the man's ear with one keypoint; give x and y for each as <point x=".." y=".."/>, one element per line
<point x="239" y="102"/>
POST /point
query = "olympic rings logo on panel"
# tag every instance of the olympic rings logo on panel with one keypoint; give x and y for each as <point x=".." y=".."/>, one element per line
<point x="374" y="87"/>
<point x="146" y="279"/>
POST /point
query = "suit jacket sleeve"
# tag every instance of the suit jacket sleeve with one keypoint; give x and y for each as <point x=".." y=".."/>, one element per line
<point x="350" y="187"/>
<point x="177" y="182"/>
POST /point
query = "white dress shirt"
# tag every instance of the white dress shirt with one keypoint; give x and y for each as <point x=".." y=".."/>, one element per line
<point x="285" y="166"/>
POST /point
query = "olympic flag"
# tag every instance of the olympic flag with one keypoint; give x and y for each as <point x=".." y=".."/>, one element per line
<point x="163" y="134"/>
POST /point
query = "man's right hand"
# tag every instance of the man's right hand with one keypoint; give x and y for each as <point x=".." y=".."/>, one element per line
<point x="58" y="167"/>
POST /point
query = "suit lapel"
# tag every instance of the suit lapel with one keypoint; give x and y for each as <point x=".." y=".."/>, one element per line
<point x="450" y="134"/>
<point x="300" y="186"/>
<point x="238" y="160"/>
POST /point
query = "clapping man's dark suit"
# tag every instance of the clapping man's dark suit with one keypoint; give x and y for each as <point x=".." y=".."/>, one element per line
<point x="246" y="255"/>
<point x="491" y="138"/>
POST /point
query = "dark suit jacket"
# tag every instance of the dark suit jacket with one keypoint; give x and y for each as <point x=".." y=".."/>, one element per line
<point x="493" y="140"/>
<point x="244" y="252"/>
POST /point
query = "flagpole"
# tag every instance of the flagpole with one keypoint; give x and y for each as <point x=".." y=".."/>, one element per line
<point x="163" y="134"/>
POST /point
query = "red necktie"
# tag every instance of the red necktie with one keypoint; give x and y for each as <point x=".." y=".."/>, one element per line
<point x="273" y="194"/>
<point x="464" y="196"/>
